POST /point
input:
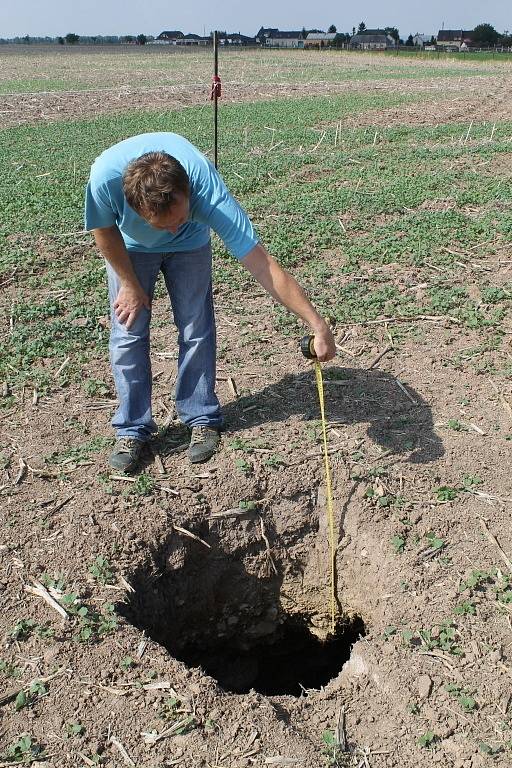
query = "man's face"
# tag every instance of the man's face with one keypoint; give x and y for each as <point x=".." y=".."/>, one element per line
<point x="174" y="218"/>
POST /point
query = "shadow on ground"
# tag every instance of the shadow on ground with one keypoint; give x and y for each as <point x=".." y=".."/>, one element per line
<point x="398" y="421"/>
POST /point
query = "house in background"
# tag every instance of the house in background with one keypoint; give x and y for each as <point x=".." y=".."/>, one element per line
<point x="274" y="38"/>
<point x="192" y="39"/>
<point x="169" y="36"/>
<point x="454" y="39"/>
<point x="372" y="40"/>
<point x="319" y="39"/>
<point x="264" y="33"/>
<point x="419" y="41"/>
<point x="236" y="39"/>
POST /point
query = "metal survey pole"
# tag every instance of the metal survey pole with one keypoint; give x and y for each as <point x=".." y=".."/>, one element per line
<point x="215" y="95"/>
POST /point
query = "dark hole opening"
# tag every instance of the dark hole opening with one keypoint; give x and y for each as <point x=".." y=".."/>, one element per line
<point x="294" y="660"/>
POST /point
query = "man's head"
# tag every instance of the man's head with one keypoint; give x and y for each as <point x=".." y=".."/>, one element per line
<point x="157" y="187"/>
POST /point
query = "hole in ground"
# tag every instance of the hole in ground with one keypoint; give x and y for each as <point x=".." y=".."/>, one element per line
<point x="289" y="661"/>
<point x="209" y="612"/>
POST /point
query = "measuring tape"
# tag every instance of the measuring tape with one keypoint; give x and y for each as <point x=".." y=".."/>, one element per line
<point x="308" y="350"/>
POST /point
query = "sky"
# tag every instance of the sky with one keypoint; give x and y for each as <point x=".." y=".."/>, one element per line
<point x="123" y="17"/>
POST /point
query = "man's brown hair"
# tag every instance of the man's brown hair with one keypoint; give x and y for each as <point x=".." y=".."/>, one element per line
<point x="152" y="182"/>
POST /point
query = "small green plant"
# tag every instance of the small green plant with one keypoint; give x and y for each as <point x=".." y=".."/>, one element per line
<point x="446" y="493"/>
<point x="172" y="711"/>
<point x="434" y="541"/>
<point x="25" y="750"/>
<point x="466" y="608"/>
<point x="488" y="749"/>
<point x="8" y="669"/>
<point x="239" y="444"/>
<point x="22" y="629"/>
<point x="456" y="425"/>
<point x="144" y="485"/>
<point x="428" y="740"/>
<point x="503" y="589"/>
<point x="248" y="506"/>
<point x="101" y="570"/>
<point x="244" y="466"/>
<point x="332" y="748"/>
<point x="398" y="544"/>
<point x="93" y="625"/>
<point x="462" y="696"/>
<point x="471" y="481"/>
<point x="45" y="631"/>
<point x="26" y="698"/>
<point x="80" y="453"/>
<point x="96" y="388"/>
<point x="274" y="460"/>
<point x="74" y="729"/>
<point x="57" y="582"/>
<point x="475" y="580"/>
<point x="126" y="663"/>
<point x="413" y="708"/>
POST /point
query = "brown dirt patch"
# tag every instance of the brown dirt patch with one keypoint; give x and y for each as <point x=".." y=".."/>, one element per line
<point x="58" y="518"/>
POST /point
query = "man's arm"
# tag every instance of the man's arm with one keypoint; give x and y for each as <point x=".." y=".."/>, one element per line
<point x="131" y="297"/>
<point x="285" y="289"/>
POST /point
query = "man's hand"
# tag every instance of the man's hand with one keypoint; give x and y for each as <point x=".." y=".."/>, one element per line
<point x="325" y="346"/>
<point x="129" y="302"/>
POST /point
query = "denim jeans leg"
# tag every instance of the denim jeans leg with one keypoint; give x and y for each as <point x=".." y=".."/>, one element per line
<point x="129" y="354"/>
<point x="188" y="277"/>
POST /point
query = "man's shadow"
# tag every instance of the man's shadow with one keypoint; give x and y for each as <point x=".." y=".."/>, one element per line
<point x="398" y="419"/>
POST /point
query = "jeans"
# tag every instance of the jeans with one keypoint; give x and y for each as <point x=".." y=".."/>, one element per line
<point x="188" y="279"/>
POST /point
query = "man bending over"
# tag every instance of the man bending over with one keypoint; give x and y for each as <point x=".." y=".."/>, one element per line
<point x="150" y="203"/>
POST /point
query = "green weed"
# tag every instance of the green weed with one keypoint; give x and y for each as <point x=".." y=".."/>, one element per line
<point x="101" y="570"/>
<point x="428" y="740"/>
<point x="462" y="696"/>
<point x="23" y="629"/>
<point x="27" y="698"/>
<point x="80" y="453"/>
<point x="24" y="750"/>
<point x="74" y="729"/>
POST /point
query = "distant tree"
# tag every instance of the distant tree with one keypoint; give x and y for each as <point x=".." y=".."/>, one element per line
<point x="433" y="40"/>
<point x="332" y="28"/>
<point x="26" y="39"/>
<point x="485" y="34"/>
<point x="128" y="39"/>
<point x="361" y="27"/>
<point x="60" y="40"/>
<point x="410" y="40"/>
<point x="393" y="32"/>
<point x="72" y="39"/>
<point x="353" y="31"/>
<point x="141" y="39"/>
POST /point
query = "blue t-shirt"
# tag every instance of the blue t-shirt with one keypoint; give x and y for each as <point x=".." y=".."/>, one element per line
<point x="211" y="204"/>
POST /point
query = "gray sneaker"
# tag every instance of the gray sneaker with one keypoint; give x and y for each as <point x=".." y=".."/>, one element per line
<point x="126" y="454"/>
<point x="203" y="444"/>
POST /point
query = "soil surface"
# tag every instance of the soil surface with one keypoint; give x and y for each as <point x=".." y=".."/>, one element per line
<point x="225" y="555"/>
